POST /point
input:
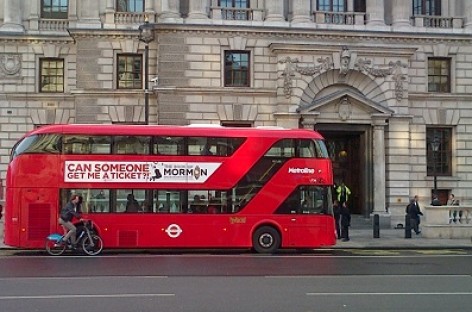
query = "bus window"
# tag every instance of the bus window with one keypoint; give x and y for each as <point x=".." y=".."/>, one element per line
<point x="99" y="201"/>
<point x="168" y="201"/>
<point x="307" y="200"/>
<point x="77" y="144"/>
<point x="130" y="200"/>
<point x="201" y="146"/>
<point x="168" y="146"/>
<point x="100" y="145"/>
<point x="130" y="145"/>
<point x="283" y="148"/>
<point x="38" y="144"/>
<point x="307" y="149"/>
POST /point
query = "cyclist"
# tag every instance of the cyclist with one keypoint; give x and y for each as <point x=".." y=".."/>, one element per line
<point x="65" y="218"/>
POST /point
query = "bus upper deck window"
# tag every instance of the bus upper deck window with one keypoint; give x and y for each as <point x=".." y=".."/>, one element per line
<point x="38" y="144"/>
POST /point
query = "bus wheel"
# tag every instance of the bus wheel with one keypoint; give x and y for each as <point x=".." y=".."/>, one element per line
<point x="266" y="239"/>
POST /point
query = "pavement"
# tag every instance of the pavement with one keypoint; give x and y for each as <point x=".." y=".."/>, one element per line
<point x="362" y="237"/>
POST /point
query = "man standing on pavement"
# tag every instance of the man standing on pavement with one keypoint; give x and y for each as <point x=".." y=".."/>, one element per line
<point x="414" y="212"/>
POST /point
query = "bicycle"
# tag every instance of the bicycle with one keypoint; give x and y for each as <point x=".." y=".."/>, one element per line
<point x="86" y="237"/>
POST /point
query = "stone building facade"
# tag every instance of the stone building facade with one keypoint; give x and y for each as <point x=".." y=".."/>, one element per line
<point x="381" y="80"/>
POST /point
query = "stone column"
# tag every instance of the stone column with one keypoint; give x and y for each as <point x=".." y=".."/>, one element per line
<point x="301" y="12"/>
<point x="170" y="9"/>
<point x="375" y="12"/>
<point x="274" y="11"/>
<point x="12" y="17"/>
<point x="468" y="14"/>
<point x="198" y="9"/>
<point x="379" y="165"/>
<point x="401" y="14"/>
<point x="88" y="17"/>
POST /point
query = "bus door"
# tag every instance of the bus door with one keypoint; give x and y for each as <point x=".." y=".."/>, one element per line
<point x="37" y="216"/>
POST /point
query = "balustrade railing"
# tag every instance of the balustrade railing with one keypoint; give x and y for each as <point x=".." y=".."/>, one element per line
<point x="447" y="221"/>
<point x="340" y="18"/>
<point x="236" y="14"/>
<point x="437" y="21"/>
<point x="53" y="24"/>
<point x="129" y="18"/>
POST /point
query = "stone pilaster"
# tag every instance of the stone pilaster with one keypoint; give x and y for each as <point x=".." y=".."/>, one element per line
<point x="198" y="10"/>
<point x="89" y="14"/>
<point x="12" y="17"/>
<point x="468" y="14"/>
<point x="170" y="10"/>
<point x="301" y="12"/>
<point x="401" y="14"/>
<point x="274" y="11"/>
<point x="379" y="164"/>
<point x="375" y="12"/>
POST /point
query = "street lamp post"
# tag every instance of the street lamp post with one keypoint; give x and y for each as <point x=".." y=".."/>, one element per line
<point x="435" y="148"/>
<point x="146" y="35"/>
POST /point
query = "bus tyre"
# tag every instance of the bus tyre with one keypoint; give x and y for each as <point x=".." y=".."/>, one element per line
<point x="266" y="239"/>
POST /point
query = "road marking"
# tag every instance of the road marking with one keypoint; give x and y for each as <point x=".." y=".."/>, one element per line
<point x="390" y="294"/>
<point x="85" y="296"/>
<point x="100" y="277"/>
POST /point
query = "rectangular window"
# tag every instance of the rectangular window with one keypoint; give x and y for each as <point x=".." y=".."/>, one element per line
<point x="136" y="6"/>
<point x="439" y="75"/>
<point x="427" y="7"/>
<point x="439" y="158"/>
<point x="129" y="71"/>
<point x="234" y="9"/>
<point x="331" y="5"/>
<point x="51" y="75"/>
<point x="54" y="9"/>
<point x="236" y="69"/>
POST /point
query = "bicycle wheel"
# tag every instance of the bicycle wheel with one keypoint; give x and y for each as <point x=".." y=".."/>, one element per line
<point x="94" y="247"/>
<point x="55" y="249"/>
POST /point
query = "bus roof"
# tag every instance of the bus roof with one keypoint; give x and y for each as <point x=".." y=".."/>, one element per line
<point x="169" y="130"/>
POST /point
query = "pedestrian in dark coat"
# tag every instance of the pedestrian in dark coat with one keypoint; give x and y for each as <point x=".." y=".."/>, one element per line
<point x="337" y="218"/>
<point x="414" y="212"/>
<point x="345" y="222"/>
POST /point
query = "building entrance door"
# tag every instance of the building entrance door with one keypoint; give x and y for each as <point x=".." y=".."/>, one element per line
<point x="347" y="150"/>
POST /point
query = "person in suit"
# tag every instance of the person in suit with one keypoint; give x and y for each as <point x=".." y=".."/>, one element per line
<point x="414" y="212"/>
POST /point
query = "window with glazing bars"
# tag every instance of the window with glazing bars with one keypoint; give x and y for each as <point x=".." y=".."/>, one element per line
<point x="439" y="75"/>
<point x="426" y="7"/>
<point x="439" y="162"/>
<point x="54" y="9"/>
<point x="51" y="75"/>
<point x="236" y="69"/>
<point x="234" y="9"/>
<point x="129" y="71"/>
<point x="130" y="6"/>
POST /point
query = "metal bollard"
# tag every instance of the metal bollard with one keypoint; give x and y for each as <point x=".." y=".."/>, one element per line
<point x="407" y="227"/>
<point x="376" y="226"/>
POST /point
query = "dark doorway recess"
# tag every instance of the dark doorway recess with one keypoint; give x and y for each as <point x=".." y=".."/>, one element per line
<point x="348" y="152"/>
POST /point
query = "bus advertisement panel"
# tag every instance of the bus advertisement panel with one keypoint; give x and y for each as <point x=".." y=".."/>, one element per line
<point x="174" y="186"/>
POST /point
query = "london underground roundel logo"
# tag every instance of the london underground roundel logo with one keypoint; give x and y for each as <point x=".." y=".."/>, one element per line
<point x="173" y="230"/>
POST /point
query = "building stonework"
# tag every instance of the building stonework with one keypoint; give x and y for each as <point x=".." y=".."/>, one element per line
<point x="360" y="78"/>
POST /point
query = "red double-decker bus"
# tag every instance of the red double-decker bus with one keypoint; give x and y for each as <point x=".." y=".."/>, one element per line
<point x="174" y="186"/>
